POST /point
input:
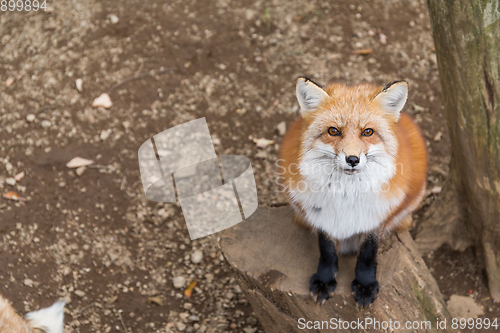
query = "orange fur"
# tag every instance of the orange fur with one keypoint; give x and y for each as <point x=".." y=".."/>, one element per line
<point x="49" y="320"/>
<point x="411" y="172"/>
<point x="10" y="321"/>
<point x="351" y="109"/>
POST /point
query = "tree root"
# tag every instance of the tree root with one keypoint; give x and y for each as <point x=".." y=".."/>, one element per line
<point x="443" y="223"/>
<point x="491" y="263"/>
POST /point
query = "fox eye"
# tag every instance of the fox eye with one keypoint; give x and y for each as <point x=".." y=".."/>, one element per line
<point x="333" y="131"/>
<point x="367" y="132"/>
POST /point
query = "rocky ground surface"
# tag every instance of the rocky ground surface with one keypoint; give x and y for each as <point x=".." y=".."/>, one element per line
<point x="89" y="235"/>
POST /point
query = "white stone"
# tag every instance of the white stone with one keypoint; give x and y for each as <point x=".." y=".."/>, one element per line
<point x="281" y="127"/>
<point x="179" y="282"/>
<point x="79" y="84"/>
<point x="197" y="257"/>
<point x="113" y="19"/>
<point x="28" y="282"/>
<point x="102" y="101"/>
<point x="79" y="293"/>
<point x="80" y="170"/>
<point x="105" y="134"/>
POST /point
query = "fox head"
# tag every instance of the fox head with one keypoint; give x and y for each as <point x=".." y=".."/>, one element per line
<point x="350" y="130"/>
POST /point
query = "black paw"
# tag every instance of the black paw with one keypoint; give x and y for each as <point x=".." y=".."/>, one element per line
<point x="321" y="291"/>
<point x="364" y="294"/>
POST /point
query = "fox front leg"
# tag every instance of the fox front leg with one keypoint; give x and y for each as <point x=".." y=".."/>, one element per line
<point x="323" y="283"/>
<point x="365" y="285"/>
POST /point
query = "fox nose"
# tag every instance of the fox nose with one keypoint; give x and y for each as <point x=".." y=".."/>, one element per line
<point x="352" y="160"/>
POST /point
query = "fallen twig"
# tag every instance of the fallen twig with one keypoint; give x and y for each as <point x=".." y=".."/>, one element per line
<point x="140" y="76"/>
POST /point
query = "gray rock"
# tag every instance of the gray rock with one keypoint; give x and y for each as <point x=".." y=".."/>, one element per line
<point x="464" y="307"/>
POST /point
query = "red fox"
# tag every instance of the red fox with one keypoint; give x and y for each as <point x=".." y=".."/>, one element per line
<point x="48" y="320"/>
<point x="354" y="169"/>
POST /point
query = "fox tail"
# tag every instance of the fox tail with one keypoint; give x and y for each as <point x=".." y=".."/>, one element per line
<point x="49" y="320"/>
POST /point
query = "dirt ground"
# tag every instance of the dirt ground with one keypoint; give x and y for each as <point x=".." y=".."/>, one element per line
<point x="93" y="238"/>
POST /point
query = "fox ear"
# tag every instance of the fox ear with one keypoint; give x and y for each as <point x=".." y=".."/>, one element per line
<point x="392" y="98"/>
<point x="309" y="94"/>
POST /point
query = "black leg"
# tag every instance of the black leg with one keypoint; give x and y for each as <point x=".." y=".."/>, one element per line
<point x="365" y="285"/>
<point x="323" y="283"/>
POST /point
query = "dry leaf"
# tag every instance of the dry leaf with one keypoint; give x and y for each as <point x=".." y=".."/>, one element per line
<point x="9" y="81"/>
<point x="78" y="162"/>
<point x="155" y="299"/>
<point x="13" y="196"/>
<point x="263" y="143"/>
<point x="102" y="101"/>
<point x="19" y="176"/>
<point x="189" y="290"/>
<point x="362" y="51"/>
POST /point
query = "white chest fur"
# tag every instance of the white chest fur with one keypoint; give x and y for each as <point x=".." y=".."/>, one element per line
<point x="345" y="212"/>
<point x="344" y="205"/>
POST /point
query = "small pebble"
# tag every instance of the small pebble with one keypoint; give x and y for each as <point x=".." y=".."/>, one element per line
<point x="281" y="127"/>
<point x="79" y="171"/>
<point x="113" y="19"/>
<point x="126" y="124"/>
<point x="105" y="134"/>
<point x="10" y="181"/>
<point x="438" y="136"/>
<point x="9" y="81"/>
<point x="28" y="282"/>
<point x="30" y="118"/>
<point x="179" y="282"/>
<point x="79" y="84"/>
<point x="196" y="256"/>
<point x="209" y="277"/>
<point x="46" y="124"/>
<point x="436" y="189"/>
<point x="250" y="329"/>
<point x="79" y="293"/>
